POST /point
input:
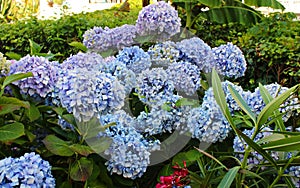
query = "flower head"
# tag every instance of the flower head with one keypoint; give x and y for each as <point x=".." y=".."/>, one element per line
<point x="160" y="20"/>
<point x="90" y="61"/>
<point x="230" y="60"/>
<point x="4" y="66"/>
<point x="29" y="170"/>
<point x="44" y="75"/>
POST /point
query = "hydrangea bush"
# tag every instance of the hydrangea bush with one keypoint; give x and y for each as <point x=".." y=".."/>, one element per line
<point x="90" y="98"/>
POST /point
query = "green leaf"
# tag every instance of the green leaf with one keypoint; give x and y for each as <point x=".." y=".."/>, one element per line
<point x="274" y="105"/>
<point x="229" y="177"/>
<point x="34" y="47"/>
<point x="81" y="149"/>
<point x="10" y="104"/>
<point x="291" y="143"/>
<point x="12" y="78"/>
<point x="11" y="131"/>
<point x="57" y="146"/>
<point x="32" y="112"/>
<point x="79" y="46"/>
<point x="265" y="3"/>
<point x="165" y="171"/>
<point x="13" y="55"/>
<point x="241" y="102"/>
<point x="187" y="102"/>
<point x="267" y="99"/>
<point x="81" y="169"/>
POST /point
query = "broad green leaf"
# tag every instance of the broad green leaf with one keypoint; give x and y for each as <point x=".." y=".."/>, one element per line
<point x="32" y="112"/>
<point x="273" y="105"/>
<point x="241" y="102"/>
<point x="270" y="138"/>
<point x="229" y="177"/>
<point x="57" y="146"/>
<point x="267" y="99"/>
<point x="12" y="78"/>
<point x="81" y="169"/>
<point x="13" y="55"/>
<point x="10" y="104"/>
<point x="11" y="131"/>
<point x="265" y="3"/>
<point x="211" y="3"/>
<point x="95" y="173"/>
<point x="81" y="149"/>
<point x="79" y="46"/>
<point x="291" y="143"/>
<point x="257" y="148"/>
<point x="34" y="47"/>
<point x="230" y="14"/>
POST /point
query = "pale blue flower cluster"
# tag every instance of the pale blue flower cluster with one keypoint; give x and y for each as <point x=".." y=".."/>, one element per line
<point x="135" y="58"/>
<point x="239" y="146"/>
<point x="86" y="93"/>
<point x="130" y="151"/>
<point x="255" y="100"/>
<point x="29" y="170"/>
<point x="197" y="52"/>
<point x="4" y="66"/>
<point x="101" y="39"/>
<point x="44" y="75"/>
<point x="185" y="76"/>
<point x="90" y="61"/>
<point x="163" y="54"/>
<point x="229" y="60"/>
<point x="153" y="84"/>
<point x="160" y="20"/>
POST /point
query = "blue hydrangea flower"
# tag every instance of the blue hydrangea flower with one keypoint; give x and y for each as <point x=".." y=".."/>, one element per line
<point x="255" y="100"/>
<point x="135" y="59"/>
<point x="294" y="172"/>
<point x="44" y="75"/>
<point x="64" y="124"/>
<point x="165" y="117"/>
<point x="101" y="39"/>
<point x="4" y="66"/>
<point x="86" y="93"/>
<point x="164" y="54"/>
<point x="130" y="151"/>
<point x="254" y="158"/>
<point x="90" y="61"/>
<point x="29" y="170"/>
<point x="197" y="52"/>
<point x="160" y="20"/>
<point x="185" y="76"/>
<point x="153" y="84"/>
<point x="229" y="60"/>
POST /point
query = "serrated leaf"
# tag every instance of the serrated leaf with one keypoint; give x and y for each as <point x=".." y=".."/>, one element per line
<point x="10" y="104"/>
<point x="32" y="112"/>
<point x="79" y="46"/>
<point x="229" y="177"/>
<point x="81" y="169"/>
<point x="81" y="149"/>
<point x="57" y="146"/>
<point x="11" y="131"/>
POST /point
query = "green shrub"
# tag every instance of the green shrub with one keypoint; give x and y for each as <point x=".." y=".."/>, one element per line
<point x="55" y="35"/>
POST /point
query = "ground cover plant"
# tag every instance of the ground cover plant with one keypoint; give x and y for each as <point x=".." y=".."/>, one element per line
<point x="144" y="105"/>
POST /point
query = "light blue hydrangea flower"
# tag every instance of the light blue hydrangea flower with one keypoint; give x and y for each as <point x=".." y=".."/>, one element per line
<point x="254" y="158"/>
<point x="44" y="75"/>
<point x="159" y="20"/>
<point x="164" y="54"/>
<point x="229" y="60"/>
<point x="135" y="58"/>
<point x="29" y="170"/>
<point x="197" y="52"/>
<point x="4" y="66"/>
<point x="255" y="100"/>
<point x="129" y="151"/>
<point x="86" y="93"/>
<point x="153" y="84"/>
<point x="90" y="61"/>
<point x="185" y="76"/>
<point x="101" y="39"/>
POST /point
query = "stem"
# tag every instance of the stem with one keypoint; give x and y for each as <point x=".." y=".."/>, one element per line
<point x="188" y="15"/>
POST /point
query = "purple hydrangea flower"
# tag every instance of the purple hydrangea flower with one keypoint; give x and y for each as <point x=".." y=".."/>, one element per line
<point x="153" y="84"/>
<point x="29" y="170"/>
<point x="102" y="40"/>
<point x="185" y="76"/>
<point x="164" y="54"/>
<point x="86" y="93"/>
<point x="129" y="151"/>
<point x="159" y="20"/>
<point x="90" y="61"/>
<point x="197" y="52"/>
<point x="135" y="59"/>
<point x="44" y="75"/>
<point x="230" y="60"/>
